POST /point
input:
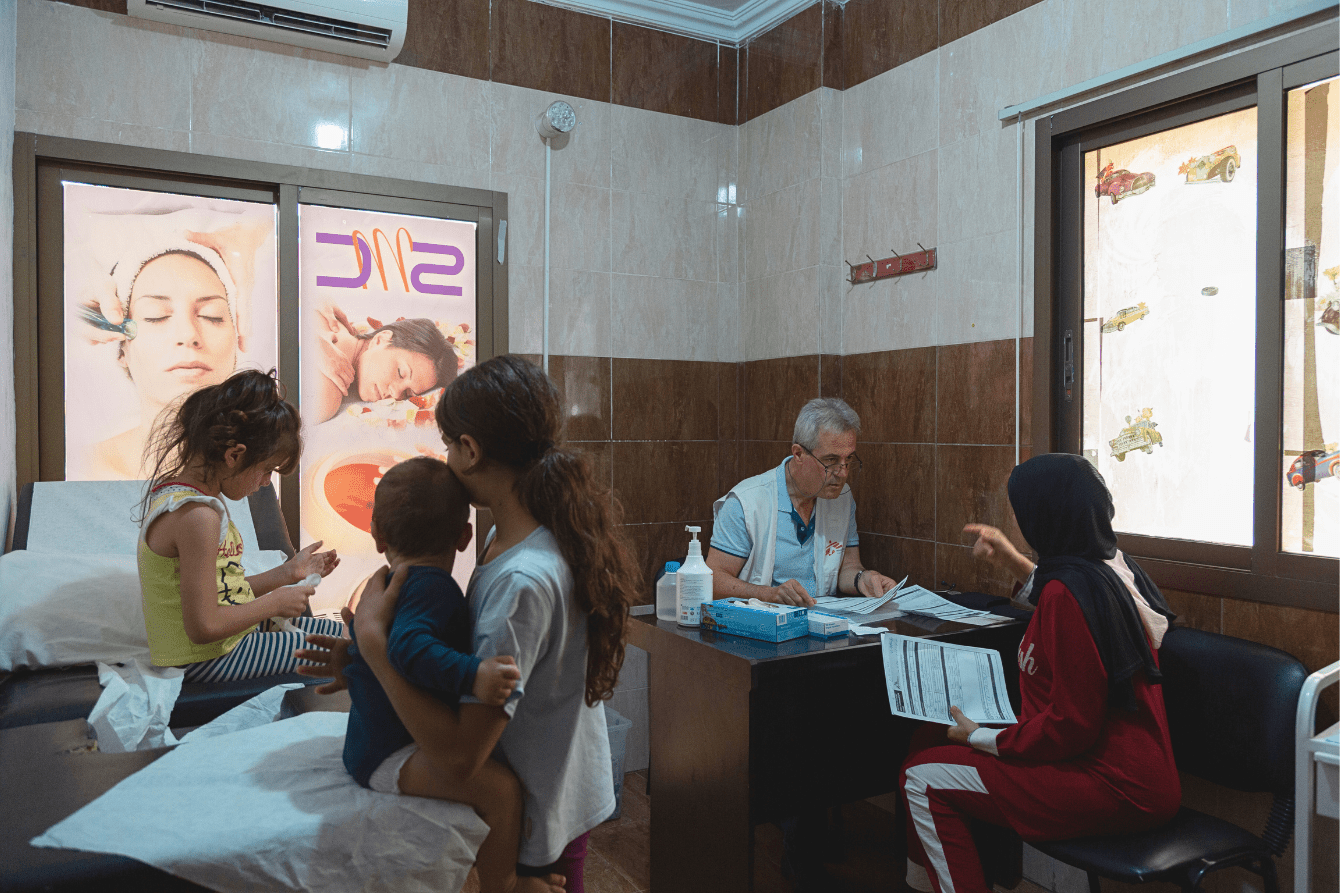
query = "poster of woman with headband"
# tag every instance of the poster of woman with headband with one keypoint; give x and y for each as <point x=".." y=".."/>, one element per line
<point x="164" y="294"/>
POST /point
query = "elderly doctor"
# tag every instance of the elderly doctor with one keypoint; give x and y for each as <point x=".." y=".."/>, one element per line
<point x="788" y="535"/>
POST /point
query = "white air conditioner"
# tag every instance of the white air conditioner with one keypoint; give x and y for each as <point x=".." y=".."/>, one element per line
<point x="369" y="29"/>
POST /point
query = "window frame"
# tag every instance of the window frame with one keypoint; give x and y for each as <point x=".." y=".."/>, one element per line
<point x="1256" y="76"/>
<point x="39" y="354"/>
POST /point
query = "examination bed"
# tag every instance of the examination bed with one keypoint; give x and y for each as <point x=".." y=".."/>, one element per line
<point x="57" y="518"/>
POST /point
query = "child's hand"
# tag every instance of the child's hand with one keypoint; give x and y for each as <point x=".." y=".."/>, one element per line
<point x="495" y="680"/>
<point x="290" y="601"/>
<point x="308" y="561"/>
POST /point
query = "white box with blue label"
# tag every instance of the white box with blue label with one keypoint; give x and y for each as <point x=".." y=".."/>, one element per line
<point x="826" y="626"/>
<point x="755" y="619"/>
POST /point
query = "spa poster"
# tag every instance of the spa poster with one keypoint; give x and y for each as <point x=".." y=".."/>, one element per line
<point x="163" y="294"/>
<point x="387" y="316"/>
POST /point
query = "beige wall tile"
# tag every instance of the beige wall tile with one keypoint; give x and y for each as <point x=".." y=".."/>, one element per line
<point x="891" y="117"/>
<point x="525" y="217"/>
<point x="56" y="124"/>
<point x="228" y="146"/>
<point x="890" y="209"/>
<point x="419" y="115"/>
<point x="784" y="230"/>
<point x="654" y="318"/>
<point x="80" y="63"/>
<point x="663" y="154"/>
<point x="976" y="194"/>
<point x="889" y="315"/>
<point x="978" y="290"/>
<point x="579" y="229"/>
<point x="582" y="157"/>
<point x="525" y="308"/>
<point x="780" y="315"/>
<point x="579" y="313"/>
<point x="781" y="147"/>
<point x="830" y="132"/>
<point x="728" y="322"/>
<point x="289" y="95"/>
<point x="654" y="235"/>
<point x="421" y="172"/>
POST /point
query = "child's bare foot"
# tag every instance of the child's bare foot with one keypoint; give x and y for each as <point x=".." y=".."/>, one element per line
<point x="552" y="883"/>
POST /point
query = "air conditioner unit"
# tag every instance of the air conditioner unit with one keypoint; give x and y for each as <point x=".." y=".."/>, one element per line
<point x="368" y="29"/>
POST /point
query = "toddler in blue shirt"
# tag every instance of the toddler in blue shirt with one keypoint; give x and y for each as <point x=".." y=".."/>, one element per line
<point x="420" y="519"/>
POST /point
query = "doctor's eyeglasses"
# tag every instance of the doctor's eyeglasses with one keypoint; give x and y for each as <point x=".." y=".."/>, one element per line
<point x="835" y="467"/>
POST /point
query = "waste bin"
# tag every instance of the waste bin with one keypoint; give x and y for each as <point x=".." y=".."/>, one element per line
<point x="618" y="731"/>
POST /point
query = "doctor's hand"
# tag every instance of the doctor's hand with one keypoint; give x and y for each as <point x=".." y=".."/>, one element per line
<point x="790" y="593"/>
<point x="329" y="655"/>
<point x="963" y="727"/>
<point x="874" y="584"/>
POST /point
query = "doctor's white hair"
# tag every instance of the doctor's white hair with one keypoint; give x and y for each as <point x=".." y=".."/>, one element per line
<point x="824" y="414"/>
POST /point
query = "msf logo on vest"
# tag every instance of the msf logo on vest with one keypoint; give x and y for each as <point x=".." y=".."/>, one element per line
<point x="1026" y="662"/>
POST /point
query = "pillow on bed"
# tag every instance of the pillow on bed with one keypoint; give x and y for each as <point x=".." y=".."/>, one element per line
<point x="61" y="610"/>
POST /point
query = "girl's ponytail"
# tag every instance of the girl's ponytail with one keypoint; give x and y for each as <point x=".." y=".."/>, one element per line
<point x="560" y="491"/>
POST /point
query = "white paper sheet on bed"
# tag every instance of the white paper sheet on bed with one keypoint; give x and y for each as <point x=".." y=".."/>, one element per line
<point x="272" y="808"/>
<point x="97" y="517"/>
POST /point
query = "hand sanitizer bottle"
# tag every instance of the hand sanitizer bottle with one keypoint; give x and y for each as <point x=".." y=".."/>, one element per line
<point x="667" y="599"/>
<point x="693" y="582"/>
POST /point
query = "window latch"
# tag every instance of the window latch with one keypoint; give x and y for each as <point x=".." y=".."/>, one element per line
<point x="1068" y="364"/>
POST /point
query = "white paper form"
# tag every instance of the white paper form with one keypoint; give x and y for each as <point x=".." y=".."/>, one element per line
<point x="917" y="600"/>
<point x="926" y="677"/>
<point x="856" y="604"/>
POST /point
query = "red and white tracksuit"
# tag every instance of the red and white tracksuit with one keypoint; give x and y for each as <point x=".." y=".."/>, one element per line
<point x="1072" y="766"/>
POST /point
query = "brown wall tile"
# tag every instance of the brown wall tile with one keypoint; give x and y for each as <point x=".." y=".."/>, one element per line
<point x="894" y="393"/>
<point x="897" y="557"/>
<point x="666" y="400"/>
<point x="666" y="480"/>
<point x="729" y="382"/>
<point x="896" y="493"/>
<point x="1311" y="636"/>
<point x="728" y="84"/>
<point x="878" y="35"/>
<point x="959" y="19"/>
<point x="834" y="72"/>
<point x="549" y="48"/>
<point x="830" y="375"/>
<point x="1204" y="612"/>
<point x="584" y="393"/>
<point x="1025" y="392"/>
<point x="955" y="566"/>
<point x="728" y="466"/>
<point x="970" y="488"/>
<point x="773" y="393"/>
<point x="601" y="457"/>
<point x="448" y="35"/>
<point x="654" y="545"/>
<point x="975" y="393"/>
<point x="663" y="72"/>
<point x="784" y="63"/>
<point x="757" y="456"/>
<point x="103" y="5"/>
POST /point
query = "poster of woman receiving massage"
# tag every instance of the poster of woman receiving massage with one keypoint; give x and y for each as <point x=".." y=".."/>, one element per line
<point x="164" y="294"/>
<point x="387" y="319"/>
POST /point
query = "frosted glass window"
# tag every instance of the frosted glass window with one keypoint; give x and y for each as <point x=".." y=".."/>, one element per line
<point x="1170" y="328"/>
<point x="1310" y="464"/>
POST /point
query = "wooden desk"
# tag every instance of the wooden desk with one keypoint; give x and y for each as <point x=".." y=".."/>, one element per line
<point x="745" y="732"/>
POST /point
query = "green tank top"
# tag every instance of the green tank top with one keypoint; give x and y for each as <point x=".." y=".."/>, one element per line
<point x="160" y="582"/>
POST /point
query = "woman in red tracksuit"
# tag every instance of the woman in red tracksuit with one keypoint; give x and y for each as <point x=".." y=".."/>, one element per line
<point x="1090" y="753"/>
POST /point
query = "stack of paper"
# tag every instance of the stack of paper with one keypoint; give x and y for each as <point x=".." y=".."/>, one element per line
<point x="926" y="677"/>
<point x="916" y="600"/>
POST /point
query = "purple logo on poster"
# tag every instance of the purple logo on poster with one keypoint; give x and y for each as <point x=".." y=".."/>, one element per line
<point x="364" y="257"/>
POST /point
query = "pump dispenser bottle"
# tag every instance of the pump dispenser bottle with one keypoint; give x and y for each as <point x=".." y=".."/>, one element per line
<point x="693" y="582"/>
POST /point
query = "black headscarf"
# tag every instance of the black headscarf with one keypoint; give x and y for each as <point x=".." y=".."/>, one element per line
<point x="1065" y="513"/>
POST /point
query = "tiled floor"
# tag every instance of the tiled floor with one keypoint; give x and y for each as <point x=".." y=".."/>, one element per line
<point x="619" y="857"/>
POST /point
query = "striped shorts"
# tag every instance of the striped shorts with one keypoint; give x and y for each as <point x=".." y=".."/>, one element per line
<point x="263" y="653"/>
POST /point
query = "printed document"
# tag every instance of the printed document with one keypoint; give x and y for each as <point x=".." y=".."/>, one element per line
<point x="917" y="600"/>
<point x="856" y="604"/>
<point x="926" y="677"/>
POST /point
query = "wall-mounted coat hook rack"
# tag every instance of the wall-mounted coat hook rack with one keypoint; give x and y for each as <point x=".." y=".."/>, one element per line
<point x="898" y="265"/>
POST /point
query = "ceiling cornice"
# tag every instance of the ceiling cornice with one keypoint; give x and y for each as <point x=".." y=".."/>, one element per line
<point x="696" y="20"/>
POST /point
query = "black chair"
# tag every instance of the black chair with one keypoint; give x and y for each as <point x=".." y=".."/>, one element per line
<point x="1231" y="706"/>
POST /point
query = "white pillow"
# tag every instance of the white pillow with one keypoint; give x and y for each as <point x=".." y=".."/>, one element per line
<point x="59" y="610"/>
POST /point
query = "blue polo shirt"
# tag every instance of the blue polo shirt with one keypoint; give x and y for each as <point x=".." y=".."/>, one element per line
<point x="795" y="546"/>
